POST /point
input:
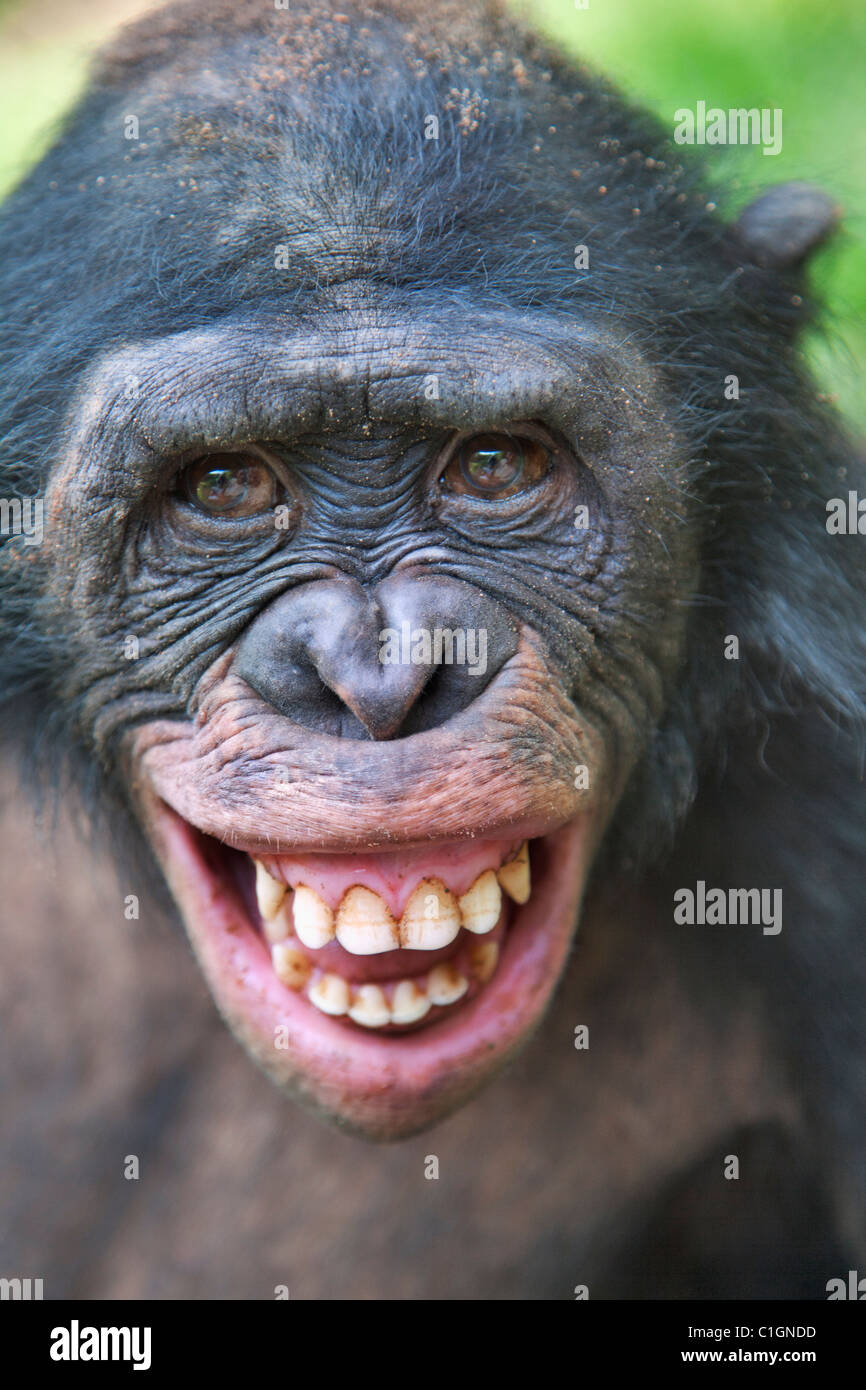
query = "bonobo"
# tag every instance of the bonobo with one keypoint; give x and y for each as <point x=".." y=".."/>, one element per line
<point x="411" y="572"/>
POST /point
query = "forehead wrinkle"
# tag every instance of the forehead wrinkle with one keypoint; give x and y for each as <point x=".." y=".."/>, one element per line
<point x="349" y="351"/>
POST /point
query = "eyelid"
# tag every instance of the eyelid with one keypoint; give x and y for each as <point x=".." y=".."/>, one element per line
<point x="520" y="430"/>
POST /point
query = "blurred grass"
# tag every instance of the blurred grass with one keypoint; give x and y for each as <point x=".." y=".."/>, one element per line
<point x="806" y="56"/>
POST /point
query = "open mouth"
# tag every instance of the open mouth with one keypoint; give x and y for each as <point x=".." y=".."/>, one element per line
<point x="385" y="986"/>
<point x="388" y="941"/>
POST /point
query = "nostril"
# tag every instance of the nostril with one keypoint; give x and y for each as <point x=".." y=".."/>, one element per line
<point x="322" y="710"/>
<point x="316" y="655"/>
<point x="437" y="702"/>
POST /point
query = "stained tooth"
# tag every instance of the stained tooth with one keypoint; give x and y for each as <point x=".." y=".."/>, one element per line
<point x="408" y="1003"/>
<point x="313" y="919"/>
<point x="269" y="893"/>
<point x="480" y="907"/>
<point x="514" y="876"/>
<point x="279" y="927"/>
<point x="370" y="1007"/>
<point x="445" y="985"/>
<point x="364" y="924"/>
<point x="483" y="959"/>
<point x="330" y="993"/>
<point x="431" y="917"/>
<point x="290" y="965"/>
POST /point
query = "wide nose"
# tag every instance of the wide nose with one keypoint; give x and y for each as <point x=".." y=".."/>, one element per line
<point x="381" y="663"/>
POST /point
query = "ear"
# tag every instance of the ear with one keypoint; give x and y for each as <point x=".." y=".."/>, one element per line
<point x="786" y="224"/>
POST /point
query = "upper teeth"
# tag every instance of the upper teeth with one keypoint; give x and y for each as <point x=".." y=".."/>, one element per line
<point x="364" y="925"/>
<point x="514" y="875"/>
<point x="269" y="892"/>
<point x="431" y="917"/>
<point x="480" y="907"/>
<point x="314" y="920"/>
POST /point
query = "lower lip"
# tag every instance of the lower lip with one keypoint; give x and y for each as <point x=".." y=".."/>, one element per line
<point x="377" y="1083"/>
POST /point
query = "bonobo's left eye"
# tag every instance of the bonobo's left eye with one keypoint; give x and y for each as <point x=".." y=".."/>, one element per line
<point x="230" y="485"/>
<point x="495" y="466"/>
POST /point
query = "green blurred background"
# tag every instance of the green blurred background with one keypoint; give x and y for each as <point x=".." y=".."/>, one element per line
<point x="806" y="56"/>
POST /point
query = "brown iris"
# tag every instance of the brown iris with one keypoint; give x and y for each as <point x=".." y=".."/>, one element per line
<point x="494" y="466"/>
<point x="229" y="485"/>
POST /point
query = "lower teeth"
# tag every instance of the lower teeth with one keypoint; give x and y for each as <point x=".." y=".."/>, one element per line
<point x="375" y="1006"/>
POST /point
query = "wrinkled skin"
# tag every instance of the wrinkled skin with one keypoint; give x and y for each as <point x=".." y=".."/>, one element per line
<point x="344" y="306"/>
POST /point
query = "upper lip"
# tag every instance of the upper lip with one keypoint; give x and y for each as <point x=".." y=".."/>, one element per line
<point x="260" y="783"/>
<point x="528" y="828"/>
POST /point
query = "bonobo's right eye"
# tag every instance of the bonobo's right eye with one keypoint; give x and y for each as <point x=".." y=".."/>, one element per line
<point x="229" y="485"/>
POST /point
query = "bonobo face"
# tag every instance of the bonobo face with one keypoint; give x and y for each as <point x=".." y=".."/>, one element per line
<point x="376" y="614"/>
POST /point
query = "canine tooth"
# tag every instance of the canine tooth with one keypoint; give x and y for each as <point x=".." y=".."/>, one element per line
<point x="445" y="985"/>
<point x="480" y="907"/>
<point x="290" y="965"/>
<point x="514" y="875"/>
<point x="330" y="993"/>
<point x="408" y="1003"/>
<point x="364" y="924"/>
<point x="314" y="920"/>
<point x="279" y="927"/>
<point x="431" y="917"/>
<point x="269" y="893"/>
<point x="483" y="959"/>
<point x="370" y="1007"/>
